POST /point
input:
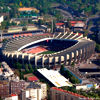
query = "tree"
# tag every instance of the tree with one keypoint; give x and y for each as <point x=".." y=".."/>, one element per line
<point x="21" y="75"/>
<point x="24" y="29"/>
<point x="73" y="64"/>
<point x="40" y="22"/>
<point x="72" y="89"/>
<point x="17" y="72"/>
<point x="62" y="69"/>
<point x="20" y="4"/>
<point x="74" y="80"/>
<point x="5" y="24"/>
<point x="0" y="98"/>
<point x="18" y="65"/>
<point x="31" y="68"/>
<point x="25" y="78"/>
<point x="68" y="74"/>
<point x="98" y="6"/>
<point x="98" y="47"/>
<point x="85" y="33"/>
<point x="26" y="68"/>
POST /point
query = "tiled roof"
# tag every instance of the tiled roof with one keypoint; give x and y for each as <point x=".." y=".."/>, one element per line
<point x="33" y="78"/>
<point x="59" y="24"/>
<point x="79" y="33"/>
<point x="13" y="95"/>
<point x="74" y="94"/>
<point x="27" y="9"/>
<point x="74" y="22"/>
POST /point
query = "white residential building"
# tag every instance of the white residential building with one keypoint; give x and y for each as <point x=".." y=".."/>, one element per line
<point x="1" y="19"/>
<point x="34" y="91"/>
<point x="12" y="97"/>
<point x="43" y="90"/>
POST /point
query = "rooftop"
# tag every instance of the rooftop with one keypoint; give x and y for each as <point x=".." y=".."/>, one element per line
<point x="59" y="24"/>
<point x="73" y="22"/>
<point x="77" y="23"/>
<point x="33" y="78"/>
<point x="13" y="95"/>
<point x="28" y="9"/>
<point x="71" y="93"/>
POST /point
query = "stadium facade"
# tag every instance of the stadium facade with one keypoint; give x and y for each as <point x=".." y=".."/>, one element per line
<point x="81" y="50"/>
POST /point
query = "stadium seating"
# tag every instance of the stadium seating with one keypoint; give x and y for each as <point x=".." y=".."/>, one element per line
<point x="68" y="35"/>
<point x="16" y="43"/>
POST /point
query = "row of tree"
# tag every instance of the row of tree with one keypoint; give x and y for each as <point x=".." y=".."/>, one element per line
<point x="89" y="6"/>
<point x="68" y="75"/>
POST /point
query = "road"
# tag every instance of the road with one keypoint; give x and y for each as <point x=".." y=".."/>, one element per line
<point x="91" y="19"/>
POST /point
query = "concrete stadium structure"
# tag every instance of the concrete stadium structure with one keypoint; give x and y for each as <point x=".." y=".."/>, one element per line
<point x="81" y="51"/>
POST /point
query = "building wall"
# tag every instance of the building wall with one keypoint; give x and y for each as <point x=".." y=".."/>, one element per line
<point x="31" y="94"/>
<point x="43" y="90"/>
<point x="4" y="88"/>
<point x="16" y="87"/>
<point x="98" y="35"/>
<point x="12" y="98"/>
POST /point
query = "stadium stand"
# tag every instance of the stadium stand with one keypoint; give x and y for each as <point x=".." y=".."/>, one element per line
<point x="66" y="48"/>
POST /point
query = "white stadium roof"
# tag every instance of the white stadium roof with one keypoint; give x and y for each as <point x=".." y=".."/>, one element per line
<point x="55" y="77"/>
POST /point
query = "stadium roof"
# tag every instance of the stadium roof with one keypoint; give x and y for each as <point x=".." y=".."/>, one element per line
<point x="55" y="77"/>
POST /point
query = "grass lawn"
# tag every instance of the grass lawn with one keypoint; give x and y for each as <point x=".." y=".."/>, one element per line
<point x="48" y="52"/>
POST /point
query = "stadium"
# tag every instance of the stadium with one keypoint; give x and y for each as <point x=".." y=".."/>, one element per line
<point x="47" y="50"/>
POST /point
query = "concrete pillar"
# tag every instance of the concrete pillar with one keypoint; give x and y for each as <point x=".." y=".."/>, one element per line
<point x="75" y="56"/>
<point x="60" y="60"/>
<point x="54" y="60"/>
<point x="12" y="58"/>
<point x="65" y="59"/>
<point x="70" y="58"/>
<point x="85" y="53"/>
<point x="78" y="58"/>
<point x="29" y="59"/>
<point x="43" y="61"/>
<point x="17" y="57"/>
<point x="23" y="60"/>
<point x="36" y="61"/>
<point x="81" y="54"/>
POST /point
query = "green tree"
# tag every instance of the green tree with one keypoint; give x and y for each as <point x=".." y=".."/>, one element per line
<point x="85" y="33"/>
<point x="0" y="98"/>
<point x="24" y="29"/>
<point x="17" y="72"/>
<point x="18" y="65"/>
<point x="26" y="68"/>
<point x="62" y="69"/>
<point x="98" y="6"/>
<point x="20" y="4"/>
<point x="98" y="47"/>
<point x="73" y="64"/>
<point x="31" y="68"/>
<point x="74" y="80"/>
<point x="21" y="75"/>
